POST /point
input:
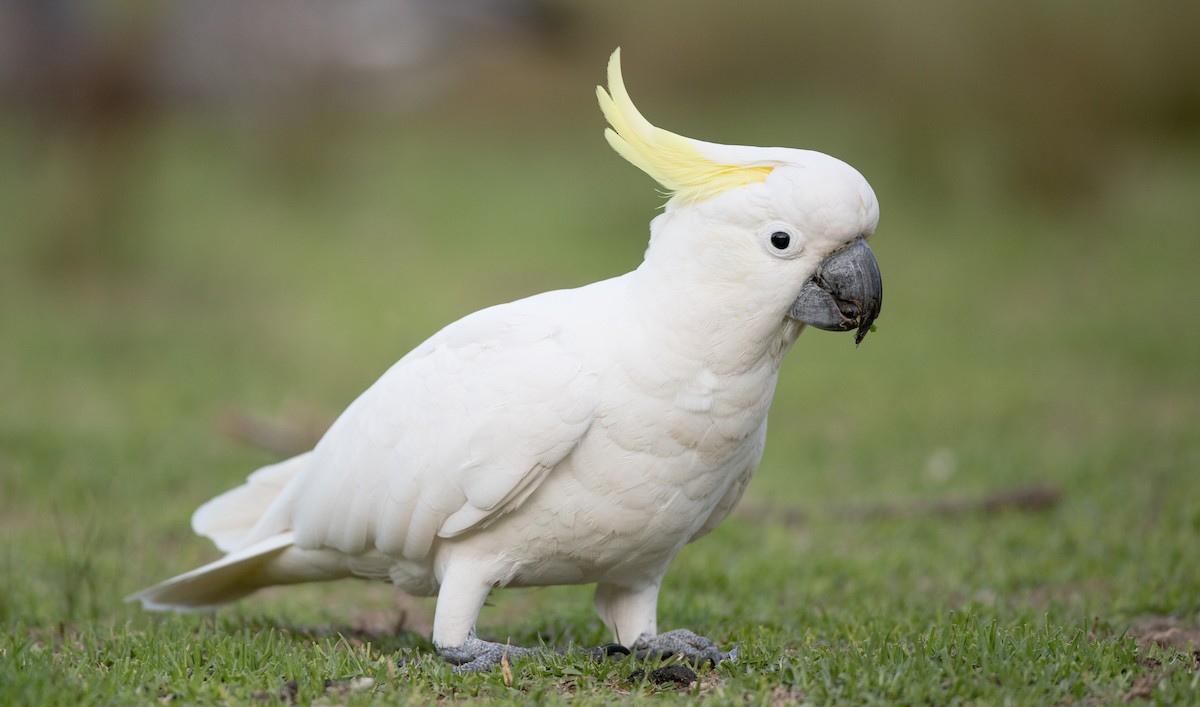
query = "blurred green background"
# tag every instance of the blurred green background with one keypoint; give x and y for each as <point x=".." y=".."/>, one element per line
<point x="202" y="261"/>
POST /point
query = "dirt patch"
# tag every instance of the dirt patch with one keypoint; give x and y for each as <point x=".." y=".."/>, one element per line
<point x="409" y="614"/>
<point x="289" y="692"/>
<point x="781" y="695"/>
<point x="1023" y="499"/>
<point x="678" y="676"/>
<point x="1169" y="634"/>
<point x="1028" y="499"/>
<point x="288" y="435"/>
<point x="1142" y="688"/>
<point x="1165" y="633"/>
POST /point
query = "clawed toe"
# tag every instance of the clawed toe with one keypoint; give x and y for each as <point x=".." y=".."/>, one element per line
<point x="693" y="648"/>
<point x="608" y="650"/>
<point x="476" y="655"/>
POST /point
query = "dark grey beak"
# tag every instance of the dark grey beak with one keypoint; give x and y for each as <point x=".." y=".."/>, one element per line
<point x="846" y="293"/>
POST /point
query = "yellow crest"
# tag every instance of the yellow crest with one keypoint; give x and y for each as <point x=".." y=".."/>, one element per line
<point x="672" y="160"/>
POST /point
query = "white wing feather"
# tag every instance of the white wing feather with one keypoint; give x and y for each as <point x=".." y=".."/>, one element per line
<point x="228" y="518"/>
<point x="454" y="435"/>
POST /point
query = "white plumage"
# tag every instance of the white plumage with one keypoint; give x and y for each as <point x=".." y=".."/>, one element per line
<point x="576" y="436"/>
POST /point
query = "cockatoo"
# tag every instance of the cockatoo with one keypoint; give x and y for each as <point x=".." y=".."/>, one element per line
<point x="579" y="436"/>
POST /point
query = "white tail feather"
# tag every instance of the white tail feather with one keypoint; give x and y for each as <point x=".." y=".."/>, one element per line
<point x="228" y="518"/>
<point x="229" y="578"/>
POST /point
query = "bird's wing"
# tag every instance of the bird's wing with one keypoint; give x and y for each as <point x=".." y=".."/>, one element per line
<point x="459" y="432"/>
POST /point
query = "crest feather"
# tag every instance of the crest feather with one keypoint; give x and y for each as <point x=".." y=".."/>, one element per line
<point x="672" y="160"/>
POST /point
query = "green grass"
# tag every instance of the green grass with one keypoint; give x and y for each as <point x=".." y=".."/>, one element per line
<point x="1024" y="340"/>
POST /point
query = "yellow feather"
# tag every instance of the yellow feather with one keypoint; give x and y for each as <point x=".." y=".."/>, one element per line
<point x="672" y="160"/>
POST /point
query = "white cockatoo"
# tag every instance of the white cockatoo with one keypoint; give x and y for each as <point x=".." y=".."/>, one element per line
<point x="578" y="436"/>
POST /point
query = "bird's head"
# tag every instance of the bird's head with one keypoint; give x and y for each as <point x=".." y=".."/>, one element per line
<point x="790" y="225"/>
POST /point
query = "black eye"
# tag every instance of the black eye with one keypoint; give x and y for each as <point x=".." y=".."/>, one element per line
<point x="780" y="240"/>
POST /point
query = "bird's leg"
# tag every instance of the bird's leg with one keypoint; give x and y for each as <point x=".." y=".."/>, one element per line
<point x="459" y="601"/>
<point x="627" y="611"/>
<point x="630" y="612"/>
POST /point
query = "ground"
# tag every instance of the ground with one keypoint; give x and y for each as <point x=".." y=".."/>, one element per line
<point x="990" y="501"/>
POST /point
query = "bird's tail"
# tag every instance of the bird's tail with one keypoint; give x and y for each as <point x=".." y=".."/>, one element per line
<point x="228" y="519"/>
<point x="245" y="524"/>
<point x="229" y="578"/>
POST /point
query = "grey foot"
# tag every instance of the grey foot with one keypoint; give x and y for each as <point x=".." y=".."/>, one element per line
<point x="476" y="655"/>
<point x="693" y="648"/>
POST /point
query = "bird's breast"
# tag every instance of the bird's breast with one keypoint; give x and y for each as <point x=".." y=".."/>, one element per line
<point x="640" y="484"/>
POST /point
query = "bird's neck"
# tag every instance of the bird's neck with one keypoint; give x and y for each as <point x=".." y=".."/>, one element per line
<point x="713" y="323"/>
